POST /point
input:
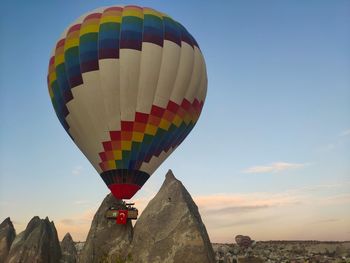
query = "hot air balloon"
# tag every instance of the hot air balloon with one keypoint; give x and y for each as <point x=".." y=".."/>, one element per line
<point x="243" y="241"/>
<point x="128" y="85"/>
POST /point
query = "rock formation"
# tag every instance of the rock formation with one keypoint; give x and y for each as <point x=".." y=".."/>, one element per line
<point x="79" y="246"/>
<point x="69" y="252"/>
<point x="7" y="235"/>
<point x="106" y="241"/>
<point x="170" y="228"/>
<point x="249" y="260"/>
<point x="38" y="243"/>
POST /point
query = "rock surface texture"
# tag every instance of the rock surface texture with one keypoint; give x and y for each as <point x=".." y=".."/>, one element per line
<point x="106" y="241"/>
<point x="38" y="243"/>
<point x="69" y="252"/>
<point x="7" y="235"/>
<point x="170" y="229"/>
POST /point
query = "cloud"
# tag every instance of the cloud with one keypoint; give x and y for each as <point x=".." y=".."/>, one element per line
<point x="228" y="214"/>
<point x="263" y="215"/>
<point x="81" y="202"/>
<point x="68" y="221"/>
<point x="323" y="187"/>
<point x="238" y="209"/>
<point x="77" y="170"/>
<point x="77" y="225"/>
<point x="329" y="220"/>
<point x="233" y="203"/>
<point x="345" y="133"/>
<point x="17" y="222"/>
<point x="273" y="168"/>
<point x="338" y="199"/>
<point x="4" y="203"/>
<point x="246" y="221"/>
<point x="340" y="140"/>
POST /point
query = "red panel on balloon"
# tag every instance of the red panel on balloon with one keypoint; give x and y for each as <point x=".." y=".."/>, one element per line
<point x="124" y="191"/>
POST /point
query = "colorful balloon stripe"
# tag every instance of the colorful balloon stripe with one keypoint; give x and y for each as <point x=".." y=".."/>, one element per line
<point x="148" y="136"/>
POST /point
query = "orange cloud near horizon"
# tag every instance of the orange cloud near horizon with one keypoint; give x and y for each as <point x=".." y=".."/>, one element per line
<point x="294" y="214"/>
<point x="300" y="214"/>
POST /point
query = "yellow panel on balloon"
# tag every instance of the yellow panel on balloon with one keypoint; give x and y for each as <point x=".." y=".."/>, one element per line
<point x="52" y="77"/>
<point x="110" y="19"/>
<point x="137" y="136"/>
<point x="151" y="129"/>
<point x="164" y="124"/>
<point x="149" y="11"/>
<point x="71" y="42"/>
<point x="126" y="145"/>
<point x="133" y="12"/>
<point x="111" y="164"/>
<point x="187" y="119"/>
<point x="89" y="29"/>
<point x="51" y="93"/>
<point x="59" y="59"/>
<point x="117" y="155"/>
<point x="177" y="120"/>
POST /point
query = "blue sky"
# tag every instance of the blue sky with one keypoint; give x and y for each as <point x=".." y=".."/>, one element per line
<point x="272" y="144"/>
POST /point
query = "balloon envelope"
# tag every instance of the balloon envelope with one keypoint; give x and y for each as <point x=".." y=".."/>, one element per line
<point x="128" y="85"/>
<point x="243" y="241"/>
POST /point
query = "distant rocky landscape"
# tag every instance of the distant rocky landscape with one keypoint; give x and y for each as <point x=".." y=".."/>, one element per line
<point x="170" y="229"/>
<point x="284" y="252"/>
